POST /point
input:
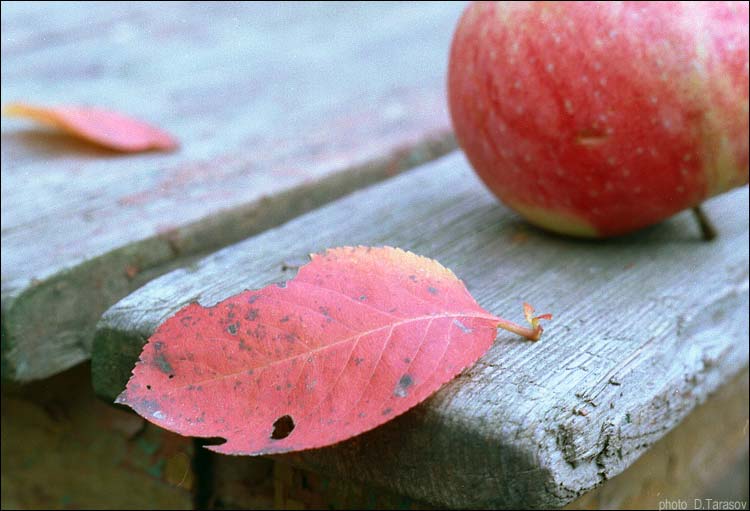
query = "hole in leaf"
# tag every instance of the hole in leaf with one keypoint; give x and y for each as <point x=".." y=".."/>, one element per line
<point x="212" y="440"/>
<point x="148" y="387"/>
<point x="282" y="428"/>
<point x="171" y="376"/>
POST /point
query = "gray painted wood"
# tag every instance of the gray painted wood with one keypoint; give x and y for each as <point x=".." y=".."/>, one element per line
<point x="646" y="327"/>
<point x="279" y="107"/>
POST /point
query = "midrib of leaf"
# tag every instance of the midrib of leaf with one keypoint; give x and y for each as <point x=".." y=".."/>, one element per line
<point x="353" y="338"/>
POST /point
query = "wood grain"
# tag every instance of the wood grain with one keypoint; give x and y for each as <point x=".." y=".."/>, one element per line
<point x="646" y="327"/>
<point x="278" y="107"/>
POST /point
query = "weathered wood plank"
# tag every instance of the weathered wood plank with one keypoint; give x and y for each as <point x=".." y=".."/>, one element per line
<point x="279" y="107"/>
<point x="688" y="462"/>
<point x="646" y="327"/>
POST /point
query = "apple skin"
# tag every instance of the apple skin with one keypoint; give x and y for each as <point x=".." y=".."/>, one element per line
<point x="597" y="119"/>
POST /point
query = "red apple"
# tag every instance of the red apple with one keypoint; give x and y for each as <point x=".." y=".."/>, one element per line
<point x="596" y="119"/>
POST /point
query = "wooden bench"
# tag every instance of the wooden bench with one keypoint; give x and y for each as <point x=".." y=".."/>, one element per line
<point x="281" y="109"/>
<point x="646" y="327"/>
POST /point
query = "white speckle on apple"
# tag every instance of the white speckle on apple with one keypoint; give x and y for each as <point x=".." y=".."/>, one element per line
<point x="597" y="66"/>
<point x="603" y="81"/>
<point x="568" y="106"/>
<point x="514" y="47"/>
<point x="654" y="152"/>
<point x="493" y="55"/>
<point x="519" y="109"/>
<point x="612" y="160"/>
<point x="638" y="150"/>
<point x="598" y="43"/>
<point x="612" y="34"/>
<point x="637" y="189"/>
<point x="556" y="38"/>
<point x="687" y="157"/>
<point x="654" y="100"/>
<point x="593" y="193"/>
<point x="517" y="85"/>
<point x="680" y="189"/>
<point x="550" y="67"/>
<point x="608" y="186"/>
<point x="684" y="171"/>
<point x="527" y="157"/>
<point x="609" y="130"/>
<point x="625" y="172"/>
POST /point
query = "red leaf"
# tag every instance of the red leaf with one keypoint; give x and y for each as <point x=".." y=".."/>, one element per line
<point x="358" y="337"/>
<point x="105" y="128"/>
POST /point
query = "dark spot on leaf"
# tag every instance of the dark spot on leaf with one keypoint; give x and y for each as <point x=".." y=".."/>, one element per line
<point x="363" y="298"/>
<point x="237" y="385"/>
<point x="282" y="285"/>
<point x="358" y="360"/>
<point x="252" y="299"/>
<point x="158" y="345"/>
<point x="251" y="314"/>
<point x="163" y="364"/>
<point x="325" y="312"/>
<point x="186" y="321"/>
<point x="387" y="411"/>
<point x="407" y="360"/>
<point x="402" y="387"/>
<point x="282" y="427"/>
<point x="290" y="337"/>
<point x="432" y="290"/>
<point x="244" y="346"/>
<point x="278" y="387"/>
<point x="361" y="415"/>
<point x="413" y="278"/>
<point x="284" y="319"/>
<point x="249" y="372"/>
<point x="232" y="329"/>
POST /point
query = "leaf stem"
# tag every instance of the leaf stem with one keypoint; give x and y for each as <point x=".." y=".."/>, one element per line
<point x="533" y="333"/>
<point x="529" y="333"/>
